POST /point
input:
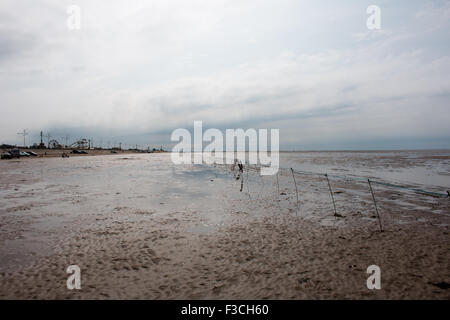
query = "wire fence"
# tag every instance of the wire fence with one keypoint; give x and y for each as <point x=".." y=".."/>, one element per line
<point x="242" y="173"/>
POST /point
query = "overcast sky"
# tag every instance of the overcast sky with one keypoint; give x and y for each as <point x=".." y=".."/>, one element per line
<point x="136" y="70"/>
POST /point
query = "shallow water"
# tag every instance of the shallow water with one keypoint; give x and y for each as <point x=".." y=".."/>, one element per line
<point x="424" y="168"/>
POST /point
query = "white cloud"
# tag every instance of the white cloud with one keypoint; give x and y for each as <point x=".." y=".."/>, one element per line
<point x="136" y="68"/>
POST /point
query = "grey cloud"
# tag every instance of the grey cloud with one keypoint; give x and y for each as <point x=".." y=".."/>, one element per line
<point x="15" y="44"/>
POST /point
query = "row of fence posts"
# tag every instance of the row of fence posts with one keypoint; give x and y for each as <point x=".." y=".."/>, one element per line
<point x="336" y="215"/>
<point x="332" y="197"/>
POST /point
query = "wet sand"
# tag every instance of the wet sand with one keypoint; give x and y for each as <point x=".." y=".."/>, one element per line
<point x="140" y="227"/>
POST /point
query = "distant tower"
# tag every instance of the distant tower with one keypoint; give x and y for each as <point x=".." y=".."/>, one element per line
<point x="42" y="145"/>
<point x="24" y="134"/>
<point x="48" y="139"/>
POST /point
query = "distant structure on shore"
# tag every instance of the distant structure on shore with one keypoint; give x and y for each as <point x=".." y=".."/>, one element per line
<point x="80" y="144"/>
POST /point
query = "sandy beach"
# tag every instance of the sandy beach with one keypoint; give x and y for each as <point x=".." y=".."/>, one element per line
<point x="333" y="118"/>
<point x="140" y="227"/>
